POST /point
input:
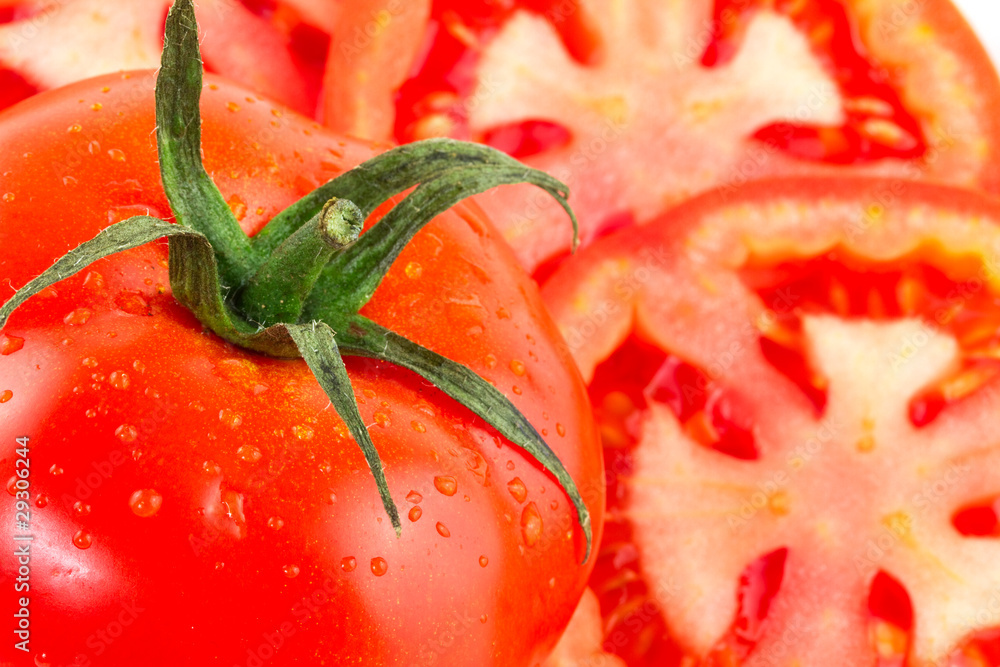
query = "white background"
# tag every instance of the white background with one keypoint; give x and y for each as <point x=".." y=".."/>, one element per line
<point x="984" y="15"/>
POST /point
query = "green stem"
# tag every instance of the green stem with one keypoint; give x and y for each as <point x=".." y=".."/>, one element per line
<point x="275" y="294"/>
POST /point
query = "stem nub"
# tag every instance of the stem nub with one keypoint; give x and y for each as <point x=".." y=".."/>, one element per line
<point x="278" y="289"/>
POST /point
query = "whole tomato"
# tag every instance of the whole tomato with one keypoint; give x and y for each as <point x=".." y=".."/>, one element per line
<point x="194" y="503"/>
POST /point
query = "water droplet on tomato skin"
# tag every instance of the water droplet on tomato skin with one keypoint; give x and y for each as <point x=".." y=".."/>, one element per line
<point x="414" y="497"/>
<point x="275" y="523"/>
<point x="78" y="317"/>
<point x="82" y="540"/>
<point x="126" y="433"/>
<point x="348" y="564"/>
<point x="55" y="469"/>
<point x="90" y="362"/>
<point x="10" y="344"/>
<point x="291" y="571"/>
<point x="42" y="660"/>
<point x="379" y="566"/>
<point x="517" y="367"/>
<point x="12" y="485"/>
<point x="446" y="485"/>
<point x="120" y="380"/>
<point x="219" y="565"/>
<point x="117" y="154"/>
<point x="81" y="509"/>
<point x="483" y="561"/>
<point x="42" y="500"/>
<point x="6" y="395"/>
<point x="8" y="197"/>
<point x="145" y="502"/>
<point x="249" y="454"/>
<point x="415" y="513"/>
<point x="442" y="529"/>
<point x="531" y="525"/>
<point x="517" y="489"/>
<point x="483" y="618"/>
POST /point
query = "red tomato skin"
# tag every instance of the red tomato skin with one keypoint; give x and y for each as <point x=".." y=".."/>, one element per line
<point x="271" y="544"/>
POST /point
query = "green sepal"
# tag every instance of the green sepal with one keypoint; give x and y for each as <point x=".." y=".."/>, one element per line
<point x="352" y="277"/>
<point x="363" y="337"/>
<point x="193" y="196"/>
<point x="373" y="182"/>
<point x="316" y="343"/>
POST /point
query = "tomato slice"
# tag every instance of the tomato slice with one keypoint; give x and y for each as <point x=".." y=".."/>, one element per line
<point x="639" y="104"/>
<point x="274" y="47"/>
<point x="851" y="328"/>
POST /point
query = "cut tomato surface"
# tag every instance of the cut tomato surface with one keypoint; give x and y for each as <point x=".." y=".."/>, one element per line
<point x="640" y="104"/>
<point x="275" y="48"/>
<point x="798" y="394"/>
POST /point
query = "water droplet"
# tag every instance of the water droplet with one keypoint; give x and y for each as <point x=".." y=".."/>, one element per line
<point x="145" y="502"/>
<point x="517" y="489"/>
<point x="6" y="395"/>
<point x="211" y="467"/>
<point x="119" y="380"/>
<point x="78" y="317"/>
<point x="491" y="361"/>
<point x="90" y="362"/>
<point x="96" y="106"/>
<point x="55" y="469"/>
<point x="82" y="539"/>
<point x="90" y="413"/>
<point x="561" y="430"/>
<point x="303" y="432"/>
<point x="330" y="498"/>
<point x="127" y="433"/>
<point x="382" y="419"/>
<point x="414" y="497"/>
<point x="517" y="367"/>
<point x="446" y="485"/>
<point x="42" y="500"/>
<point x="12" y="485"/>
<point x="516" y="390"/>
<point x="510" y="465"/>
<point x="132" y="303"/>
<point x="8" y="197"/>
<point x="483" y="561"/>
<point x="233" y="106"/>
<point x="76" y="127"/>
<point x="379" y="566"/>
<point x="415" y="513"/>
<point x="42" y="660"/>
<point x="442" y="529"/>
<point x="230" y="418"/>
<point x="291" y="571"/>
<point x="249" y="454"/>
<point x="483" y="618"/>
<point x="238" y="207"/>
<point x="10" y="344"/>
<point x="275" y="523"/>
<point x="552" y="582"/>
<point x="81" y="509"/>
<point x="503" y="314"/>
<point x="348" y="564"/>
<point x="219" y="565"/>
<point x="418" y="427"/>
<point x="413" y="269"/>
<point x="117" y="155"/>
<point x="531" y="524"/>
<point x="277" y="113"/>
<point x="149" y="392"/>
